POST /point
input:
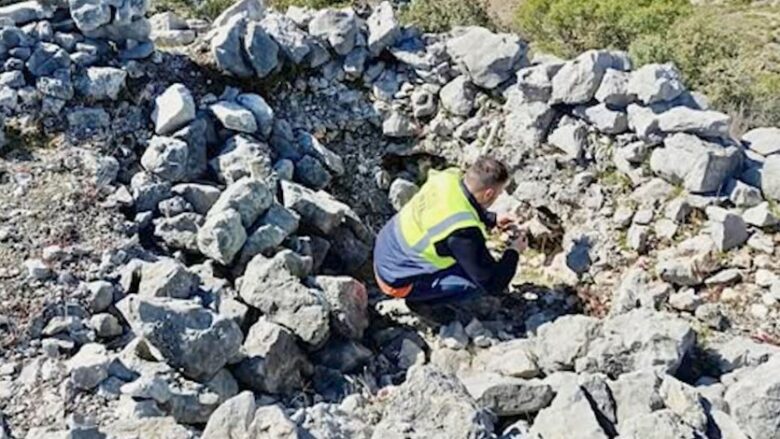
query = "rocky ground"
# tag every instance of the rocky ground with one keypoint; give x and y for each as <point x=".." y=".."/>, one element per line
<point x="190" y="207"/>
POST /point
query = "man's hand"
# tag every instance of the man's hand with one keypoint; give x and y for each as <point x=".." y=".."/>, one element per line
<point x="504" y="220"/>
<point x="521" y="242"/>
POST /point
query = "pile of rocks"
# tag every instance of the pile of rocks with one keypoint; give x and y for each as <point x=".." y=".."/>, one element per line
<point x="238" y="308"/>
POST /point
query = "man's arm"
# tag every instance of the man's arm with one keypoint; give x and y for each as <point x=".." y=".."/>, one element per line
<point x="468" y="247"/>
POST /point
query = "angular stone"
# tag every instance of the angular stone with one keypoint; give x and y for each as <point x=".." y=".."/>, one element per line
<point x="187" y="336"/>
<point x="700" y="166"/>
<point x="240" y="155"/>
<point x="635" y="394"/>
<point x="46" y="59"/>
<point x="234" y="117"/>
<point x="105" y="325"/>
<point x="89" y="366"/>
<point x="432" y="404"/>
<point x="663" y="423"/>
<point x="487" y="58"/>
<point x="458" y="96"/>
<point x="570" y="410"/>
<point x="269" y="286"/>
<point x="262" y="51"/>
<point x="317" y="209"/>
<point x="273" y="363"/>
<point x="383" y="28"/>
<point x="770" y="178"/>
<point x="264" y="114"/>
<point x="103" y="83"/>
<point x="506" y="396"/>
<point x="249" y="197"/>
<point x="561" y="342"/>
<point x="512" y="358"/>
<point x="640" y="339"/>
<point x="294" y="42"/>
<point x="338" y="27"/>
<point x="579" y="79"/>
<point x="227" y="48"/>
<point x="760" y="216"/>
<point x="613" y="89"/>
<point x="401" y="191"/>
<point x="743" y="195"/>
<point x="765" y="141"/>
<point x="603" y="119"/>
<point x="222" y="236"/>
<point x="398" y="125"/>
<point x="200" y="196"/>
<point x="727" y="229"/>
<point x="167" y="278"/>
<point x="684" y="401"/>
<point x="654" y="83"/>
<point x="706" y="123"/>
<point x="571" y="137"/>
<point x="526" y="125"/>
<point x="173" y="109"/>
<point x="166" y="158"/>
<point x="348" y="304"/>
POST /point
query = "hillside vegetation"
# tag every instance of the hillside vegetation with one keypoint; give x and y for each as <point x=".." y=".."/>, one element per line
<point x="728" y="51"/>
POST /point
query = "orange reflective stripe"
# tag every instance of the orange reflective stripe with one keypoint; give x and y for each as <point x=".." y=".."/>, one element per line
<point x="398" y="293"/>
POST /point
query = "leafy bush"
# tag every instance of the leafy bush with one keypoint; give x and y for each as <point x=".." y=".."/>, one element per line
<point x="442" y="15"/>
<point x="568" y="27"/>
<point x="727" y="55"/>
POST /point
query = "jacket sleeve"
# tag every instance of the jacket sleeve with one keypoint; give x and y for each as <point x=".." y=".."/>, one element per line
<point x="468" y="247"/>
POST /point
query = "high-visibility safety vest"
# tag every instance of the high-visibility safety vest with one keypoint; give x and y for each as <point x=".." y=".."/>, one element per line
<point x="436" y="211"/>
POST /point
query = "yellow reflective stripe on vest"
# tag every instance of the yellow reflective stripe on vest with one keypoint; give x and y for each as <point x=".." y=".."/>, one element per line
<point x="439" y="228"/>
<point x="437" y="210"/>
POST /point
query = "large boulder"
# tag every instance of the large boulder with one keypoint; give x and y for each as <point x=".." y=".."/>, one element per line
<point x="270" y="286"/>
<point x="185" y="335"/>
<point x="273" y="362"/>
<point x="698" y="165"/>
<point x="487" y="58"/>
<point x="640" y="339"/>
<point x="754" y="401"/>
<point x="431" y="403"/>
<point x="579" y="79"/>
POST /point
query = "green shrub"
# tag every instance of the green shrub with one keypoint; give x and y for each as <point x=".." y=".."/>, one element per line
<point x="282" y="5"/>
<point x="442" y="15"/>
<point x="727" y="55"/>
<point x="568" y="27"/>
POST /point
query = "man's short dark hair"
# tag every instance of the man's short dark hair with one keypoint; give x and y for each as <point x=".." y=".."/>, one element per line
<point x="486" y="172"/>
